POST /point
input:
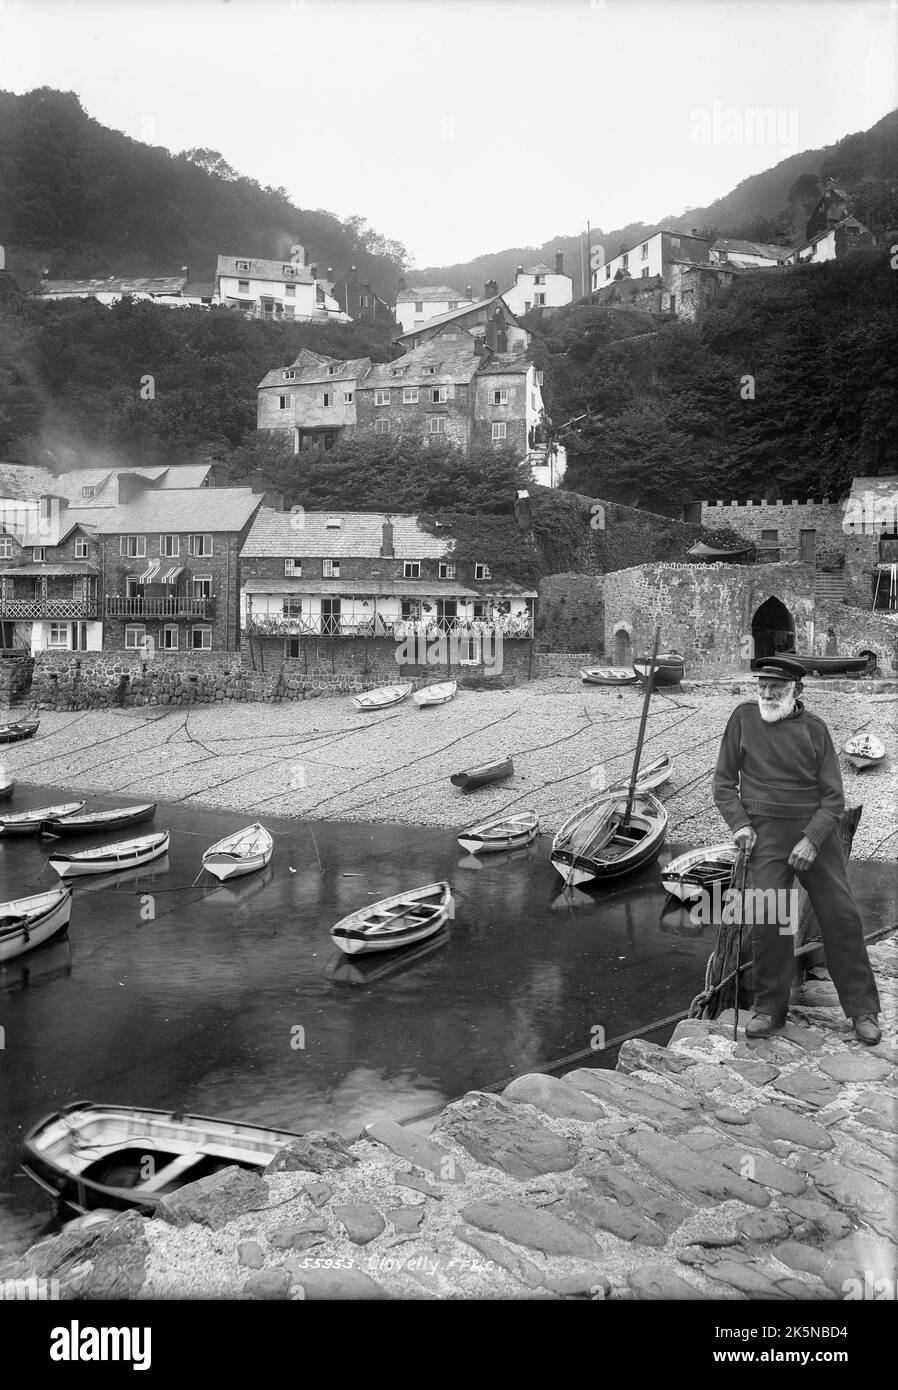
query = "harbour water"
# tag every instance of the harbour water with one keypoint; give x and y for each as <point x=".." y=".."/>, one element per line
<point x="172" y="991"/>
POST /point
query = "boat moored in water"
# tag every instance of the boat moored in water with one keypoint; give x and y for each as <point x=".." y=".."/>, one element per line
<point x="691" y="874"/>
<point x="242" y="852"/>
<point x="400" y="920"/>
<point x="609" y="837"/>
<point x="28" y="922"/>
<point x="92" y="821"/>
<point x="500" y="833"/>
<point x="30" y="822"/>
<point x="110" y="859"/>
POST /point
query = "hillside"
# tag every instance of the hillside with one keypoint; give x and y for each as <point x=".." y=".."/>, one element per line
<point x="787" y="386"/>
<point x="83" y="200"/>
<point x="772" y="205"/>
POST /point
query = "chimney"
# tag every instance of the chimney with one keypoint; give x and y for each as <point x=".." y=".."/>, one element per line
<point x="492" y="332"/>
<point x="130" y="487"/>
<point x="469" y="293"/>
<point x="185" y="271"/>
<point x="518" y="271"/>
<point x="522" y="511"/>
<point x="51" y="512"/>
<point x="386" y="549"/>
<point x="330" y="272"/>
<point x="258" y="482"/>
<point x="490" y="289"/>
<point x="559" y="262"/>
<point x="314" y="272"/>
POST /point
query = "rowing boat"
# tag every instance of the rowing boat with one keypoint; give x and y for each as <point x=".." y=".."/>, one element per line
<point x="649" y="777"/>
<point x="107" y="859"/>
<point x="501" y="833"/>
<point x="14" y="733"/>
<point x="600" y="840"/>
<point x="397" y="921"/>
<point x="864" y="750"/>
<point x="608" y="675"/>
<point x="696" y="871"/>
<point x="712" y="555"/>
<point x="7" y="786"/>
<point x="483" y="775"/>
<point x="91" y="821"/>
<point x="439" y="694"/>
<point x="382" y="698"/>
<point x="242" y="852"/>
<point x="121" y="1157"/>
<point x="29" y="822"/>
<point x="29" y="922"/>
<point x="835" y="665"/>
<point x="669" y="668"/>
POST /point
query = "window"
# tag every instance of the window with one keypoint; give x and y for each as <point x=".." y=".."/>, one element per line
<point x="499" y="430"/>
<point x="625" y="260"/>
<point x="293" y="568"/>
<point x="410" y="609"/>
<point x="347" y="397"/>
<point x="539" y="279"/>
<point x="481" y="572"/>
<point x="330" y="569"/>
<point x="201" y="586"/>
<point x="169" y="546"/>
<point x="453" y="304"/>
<point x="59" y="635"/>
<point x="539" y="378"/>
<point x="769" y="538"/>
<point x="289" y="374"/>
<point x="79" y="590"/>
<point x="331" y="371"/>
<point x="382" y="397"/>
<point x="326" y="398"/>
<point x="289" y="269"/>
<point x="608" y="272"/>
<point x="419" y="306"/>
<point x="539" y="299"/>
<point x="500" y="397"/>
<point x="436" y="424"/>
<point x="135" y="636"/>
<point x="409" y="395"/>
<point x="82" y="548"/>
<point x="201" y="639"/>
<point x="133" y="546"/>
<point x="643" y="273"/>
<point x="644" y="251"/>
<point x="292" y="648"/>
<point x="243" y="265"/>
<point x="532" y="400"/>
<point x="243" y="287"/>
<point x="381" y="426"/>
<point x="675" y="241"/>
<point x="411" y="569"/>
<point x="132" y="586"/>
<point x="200" y="545"/>
<point x="292" y="606"/>
<point x="447" y="571"/>
<point x="289" y="311"/>
<point x="439" y="395"/>
<point x="88" y="491"/>
<point x="170" y="638"/>
<point x="38" y="552"/>
<point x="6" y="548"/>
<point x="290" y="290"/>
<point x="285" y="402"/>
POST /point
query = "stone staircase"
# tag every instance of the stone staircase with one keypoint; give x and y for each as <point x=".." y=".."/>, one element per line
<point x="829" y="588"/>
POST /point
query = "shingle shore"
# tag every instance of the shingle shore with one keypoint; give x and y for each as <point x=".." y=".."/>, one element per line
<point x="321" y="759"/>
<point x="711" y="1169"/>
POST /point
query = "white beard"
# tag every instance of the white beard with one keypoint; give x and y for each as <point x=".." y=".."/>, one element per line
<point x="774" y="710"/>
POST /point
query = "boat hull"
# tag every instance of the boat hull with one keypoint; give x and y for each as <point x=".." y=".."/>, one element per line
<point x="18" y="940"/>
<point x="654" y="775"/>
<point x="118" y="857"/>
<point x="15" y="733"/>
<point x="831" y="665"/>
<point x="384" y="698"/>
<point x="610" y="850"/>
<point x="864" y="750"/>
<point x="863" y="763"/>
<point x="58" y="1155"/>
<point x="435" y="694"/>
<point x="417" y="915"/>
<point x="608" y="675"/>
<point x="97" y="822"/>
<point x="695" y="872"/>
<point x="30" y="823"/>
<point x="225" y="863"/>
<point x="669" y="669"/>
<point x="6" y="789"/>
<point x="482" y="776"/>
<point x="494" y="838"/>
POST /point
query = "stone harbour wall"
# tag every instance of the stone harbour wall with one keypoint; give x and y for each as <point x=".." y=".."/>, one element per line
<point x="711" y="1169"/>
<point x="788" y="519"/>
<point x="15" y="679"/>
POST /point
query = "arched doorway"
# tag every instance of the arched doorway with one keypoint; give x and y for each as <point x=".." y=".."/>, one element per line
<point x="772" y="629"/>
<point x="622" y="647"/>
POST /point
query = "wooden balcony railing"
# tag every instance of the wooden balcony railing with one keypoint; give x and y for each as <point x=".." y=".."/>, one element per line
<point x="176" y="606"/>
<point x="399" y="629"/>
<point x="58" y="609"/>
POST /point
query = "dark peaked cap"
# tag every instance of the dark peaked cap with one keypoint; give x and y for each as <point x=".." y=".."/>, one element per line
<point x="780" y="667"/>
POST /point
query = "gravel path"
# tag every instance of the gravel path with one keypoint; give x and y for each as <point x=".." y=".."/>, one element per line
<point x="321" y="759"/>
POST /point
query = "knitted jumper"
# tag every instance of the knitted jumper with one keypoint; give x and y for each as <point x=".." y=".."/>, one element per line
<point x="787" y="770"/>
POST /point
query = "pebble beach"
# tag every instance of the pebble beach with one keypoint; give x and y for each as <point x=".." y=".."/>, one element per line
<point x="322" y="759"/>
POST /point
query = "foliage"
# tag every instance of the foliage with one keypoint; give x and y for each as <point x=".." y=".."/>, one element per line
<point x="571" y="614"/>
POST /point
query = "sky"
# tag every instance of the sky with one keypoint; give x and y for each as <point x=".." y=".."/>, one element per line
<point x="463" y="128"/>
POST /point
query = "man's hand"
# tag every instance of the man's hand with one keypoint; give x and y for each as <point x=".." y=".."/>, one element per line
<point x="803" y="855"/>
<point x="746" y="838"/>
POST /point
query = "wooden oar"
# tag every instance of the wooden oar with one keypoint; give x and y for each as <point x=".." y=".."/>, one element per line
<point x="649" y="679"/>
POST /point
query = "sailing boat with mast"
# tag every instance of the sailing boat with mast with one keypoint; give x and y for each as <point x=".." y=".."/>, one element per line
<point x="618" y="833"/>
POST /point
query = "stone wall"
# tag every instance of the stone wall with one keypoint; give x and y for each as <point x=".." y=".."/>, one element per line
<point x="15" y="679"/>
<point x="788" y="519"/>
<point x="849" y="631"/>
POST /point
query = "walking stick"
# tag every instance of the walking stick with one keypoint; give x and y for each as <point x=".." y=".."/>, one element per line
<point x="739" y="874"/>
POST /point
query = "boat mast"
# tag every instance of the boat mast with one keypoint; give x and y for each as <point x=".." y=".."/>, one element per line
<point x="649" y="680"/>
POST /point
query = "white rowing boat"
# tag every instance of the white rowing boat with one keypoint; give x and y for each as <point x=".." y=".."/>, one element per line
<point x="29" y="922"/>
<point x="242" y="852"/>
<point x="649" y="777"/>
<point x="500" y="833"/>
<point x="108" y="859"/>
<point x="696" y="871"/>
<point x="397" y="921"/>
<point x="439" y="694"/>
<point x="383" y="697"/>
<point x="29" y="822"/>
<point x="864" y="750"/>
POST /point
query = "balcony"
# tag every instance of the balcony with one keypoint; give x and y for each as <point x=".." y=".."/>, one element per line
<point x="399" y="629"/>
<point x="174" y="606"/>
<point x="55" y="609"/>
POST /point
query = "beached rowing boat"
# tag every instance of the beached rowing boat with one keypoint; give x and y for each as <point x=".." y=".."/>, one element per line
<point x="481" y="776"/>
<point x="398" y="921"/>
<point x="14" y="733"/>
<point x="864" y="751"/>
<point x="382" y="698"/>
<point x="608" y="675"/>
<point x="439" y="694"/>
<point x="669" y="668"/>
<point x="649" y="777"/>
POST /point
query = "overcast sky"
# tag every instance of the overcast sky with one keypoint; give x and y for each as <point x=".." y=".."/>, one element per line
<point x="462" y="128"/>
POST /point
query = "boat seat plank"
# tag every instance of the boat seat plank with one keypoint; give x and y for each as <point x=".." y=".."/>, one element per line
<point x="171" y="1170"/>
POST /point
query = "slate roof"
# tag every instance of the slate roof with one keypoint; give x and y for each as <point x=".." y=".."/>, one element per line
<point x="377" y="588"/>
<point x="276" y="535"/>
<point x="22" y="481"/>
<point x="263" y="270"/>
<point x="345" y="371"/>
<point x="752" y="248"/>
<point x="501" y="363"/>
<point x="453" y="359"/>
<point x="428" y="294"/>
<point x="152" y="284"/>
<point x="26" y="482"/>
<point x="540" y="269"/>
<point x="456" y="314"/>
<point x="182" y="509"/>
<point x="52" y="569"/>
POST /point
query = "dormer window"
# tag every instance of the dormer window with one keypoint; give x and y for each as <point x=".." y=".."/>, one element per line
<point x="88" y="491"/>
<point x="243" y="265"/>
<point x="289" y="374"/>
<point x="6" y="548"/>
<point x="38" y="553"/>
<point x="289" y="270"/>
<point x="428" y="371"/>
<point x="482" y="572"/>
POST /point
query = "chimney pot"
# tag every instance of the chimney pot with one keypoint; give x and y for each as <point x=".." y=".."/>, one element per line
<point x="131" y="485"/>
<point x="469" y="292"/>
<point x="519" y="271"/>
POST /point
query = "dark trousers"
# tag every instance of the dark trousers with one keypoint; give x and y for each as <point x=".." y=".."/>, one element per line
<point x="826" y="883"/>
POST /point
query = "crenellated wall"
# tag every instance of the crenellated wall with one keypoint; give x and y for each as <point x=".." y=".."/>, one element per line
<point x="788" y="519"/>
